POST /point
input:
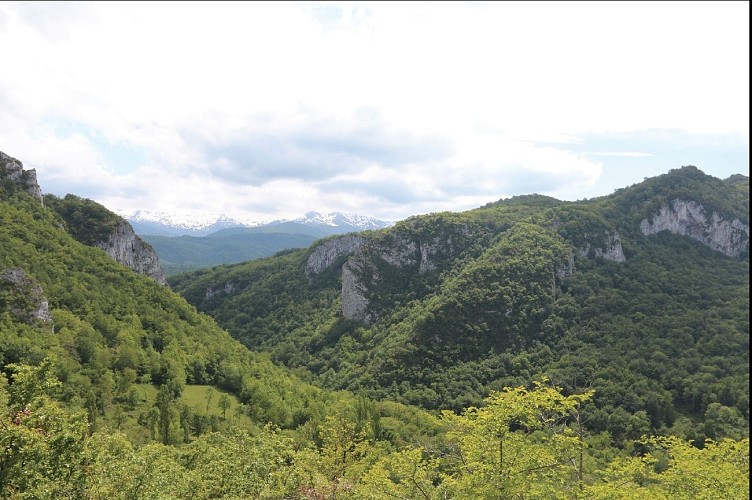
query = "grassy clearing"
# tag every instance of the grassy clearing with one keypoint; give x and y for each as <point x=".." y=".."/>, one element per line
<point x="205" y="400"/>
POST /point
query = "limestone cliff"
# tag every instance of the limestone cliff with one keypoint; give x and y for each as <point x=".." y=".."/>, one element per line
<point x="23" y="297"/>
<point x="609" y="248"/>
<point x="377" y="266"/>
<point x="328" y="252"/>
<point x="26" y="180"/>
<point x="94" y="225"/>
<point x="227" y="290"/>
<point x="89" y="222"/>
<point x="354" y="293"/>
<point x="688" y="218"/>
<point x="127" y="248"/>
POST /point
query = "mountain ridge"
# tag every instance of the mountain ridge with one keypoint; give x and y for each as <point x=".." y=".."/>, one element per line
<point x="439" y="309"/>
<point x="89" y="222"/>
<point x="172" y="224"/>
<point x="112" y="385"/>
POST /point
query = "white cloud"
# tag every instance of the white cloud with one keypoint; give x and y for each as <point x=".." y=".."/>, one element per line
<point x="633" y="154"/>
<point x="378" y="108"/>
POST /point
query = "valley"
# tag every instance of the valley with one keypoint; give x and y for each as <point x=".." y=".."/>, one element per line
<point x="531" y="347"/>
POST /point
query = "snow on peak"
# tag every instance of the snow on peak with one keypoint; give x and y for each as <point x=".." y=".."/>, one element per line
<point x="189" y="221"/>
<point x="337" y="219"/>
<point x="201" y="224"/>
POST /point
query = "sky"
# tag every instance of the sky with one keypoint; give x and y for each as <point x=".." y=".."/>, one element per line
<point x="265" y="111"/>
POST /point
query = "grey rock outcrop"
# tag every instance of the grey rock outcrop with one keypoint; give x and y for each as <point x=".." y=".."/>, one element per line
<point x="354" y="299"/>
<point x="12" y="169"/>
<point x="688" y="218"/>
<point x="401" y="253"/>
<point x="421" y="254"/>
<point x="123" y="244"/>
<point x="23" y="297"/>
<point x="610" y="248"/>
<point x="127" y="248"/>
<point x="227" y="290"/>
<point x="324" y="255"/>
<point x="566" y="268"/>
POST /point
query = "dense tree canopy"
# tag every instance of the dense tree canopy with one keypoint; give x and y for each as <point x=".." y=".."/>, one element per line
<point x="521" y="365"/>
<point x="661" y="336"/>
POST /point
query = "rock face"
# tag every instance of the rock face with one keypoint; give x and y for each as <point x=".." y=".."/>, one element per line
<point x="12" y="169"/>
<point x="23" y="297"/>
<point x="354" y="299"/>
<point x="327" y="253"/>
<point x="688" y="218"/>
<point x="610" y="248"/>
<point x="566" y="269"/>
<point x="128" y="249"/>
<point x="399" y="253"/>
<point x="227" y="289"/>
<point x="123" y="245"/>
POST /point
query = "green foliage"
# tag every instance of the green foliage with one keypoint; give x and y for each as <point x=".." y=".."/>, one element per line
<point x="186" y="253"/>
<point x="42" y="443"/>
<point x="86" y="220"/>
<point x="124" y="412"/>
<point x="522" y="443"/>
<point x="672" y="468"/>
<point x="519" y="289"/>
<point x="686" y="183"/>
<point x="518" y="445"/>
<point x="109" y="322"/>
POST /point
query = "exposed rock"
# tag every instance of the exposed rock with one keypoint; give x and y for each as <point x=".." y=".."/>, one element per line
<point x="436" y="247"/>
<point x="227" y="289"/>
<point x="404" y="252"/>
<point x="327" y="253"/>
<point x="12" y="169"/>
<point x="23" y="297"/>
<point x="609" y="249"/>
<point x="128" y="249"/>
<point x="354" y="300"/>
<point x="688" y="218"/>
<point x="567" y="267"/>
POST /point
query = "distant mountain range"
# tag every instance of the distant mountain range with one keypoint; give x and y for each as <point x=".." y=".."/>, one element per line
<point x="313" y="223"/>
<point x="184" y="244"/>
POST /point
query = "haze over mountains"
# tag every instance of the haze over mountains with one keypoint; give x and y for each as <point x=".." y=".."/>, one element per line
<point x="187" y="243"/>
<point x="314" y="223"/>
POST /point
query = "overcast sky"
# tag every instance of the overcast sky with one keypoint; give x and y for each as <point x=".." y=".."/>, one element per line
<point x="269" y="110"/>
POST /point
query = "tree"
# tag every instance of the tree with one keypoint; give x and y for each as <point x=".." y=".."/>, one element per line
<point x="673" y="468"/>
<point x="166" y="406"/>
<point x="224" y="403"/>
<point x="42" y="442"/>
<point x="518" y="445"/>
<point x="209" y="396"/>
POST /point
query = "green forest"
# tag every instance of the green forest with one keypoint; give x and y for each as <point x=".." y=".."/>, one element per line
<point x="520" y="363"/>
<point x="187" y="253"/>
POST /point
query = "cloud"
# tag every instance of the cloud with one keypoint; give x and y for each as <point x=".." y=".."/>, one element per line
<point x="632" y="154"/>
<point x="311" y="148"/>
<point x="275" y="109"/>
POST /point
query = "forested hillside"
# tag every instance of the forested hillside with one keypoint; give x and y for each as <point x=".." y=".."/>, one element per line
<point x="186" y="253"/>
<point x="113" y="386"/>
<point x="441" y="309"/>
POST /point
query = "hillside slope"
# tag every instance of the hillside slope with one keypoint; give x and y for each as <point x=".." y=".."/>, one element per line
<point x="185" y="253"/>
<point x="109" y="329"/>
<point x="231" y="245"/>
<point x="641" y="295"/>
<point x="113" y="386"/>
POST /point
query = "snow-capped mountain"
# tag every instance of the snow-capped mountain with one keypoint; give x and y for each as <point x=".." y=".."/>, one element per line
<point x="171" y="224"/>
<point x="350" y="222"/>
